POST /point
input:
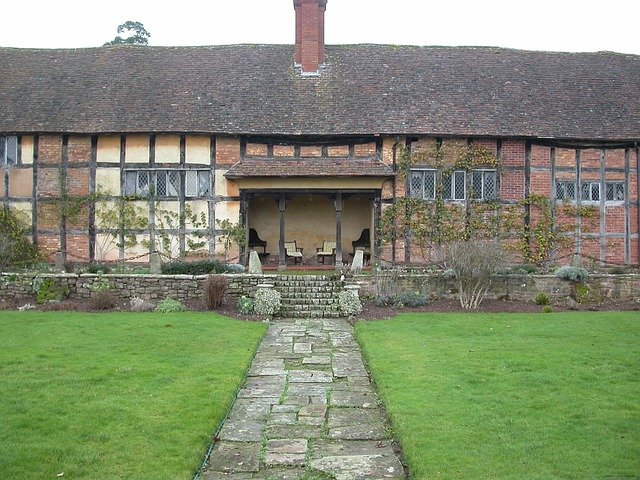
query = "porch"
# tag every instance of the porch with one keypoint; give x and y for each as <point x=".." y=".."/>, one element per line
<point x="311" y="219"/>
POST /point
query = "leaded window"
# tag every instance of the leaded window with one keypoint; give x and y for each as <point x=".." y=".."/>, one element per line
<point x="8" y="151"/>
<point x="590" y="191"/>
<point x="565" y="190"/>
<point x="197" y="183"/>
<point x="422" y="184"/>
<point x="484" y="184"/>
<point x="615" y="192"/>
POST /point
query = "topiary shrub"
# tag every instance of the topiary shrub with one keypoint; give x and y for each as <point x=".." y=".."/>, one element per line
<point x="199" y="267"/>
<point x="411" y="299"/>
<point x="572" y="274"/>
<point x="245" y="305"/>
<point x="267" y="301"/>
<point x="169" y="305"/>
<point x="542" y="299"/>
<point x="215" y="289"/>
<point x="349" y="303"/>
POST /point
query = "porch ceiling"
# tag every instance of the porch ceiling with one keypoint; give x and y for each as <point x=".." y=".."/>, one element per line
<point x="312" y="167"/>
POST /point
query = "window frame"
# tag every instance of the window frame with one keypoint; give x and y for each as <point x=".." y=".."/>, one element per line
<point x="4" y="150"/>
<point x="152" y="181"/>
<point x="423" y="172"/>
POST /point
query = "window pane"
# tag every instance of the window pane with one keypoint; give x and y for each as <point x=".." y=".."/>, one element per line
<point x="3" y="143"/>
<point x="12" y="151"/>
<point x="476" y="184"/>
<point x="161" y="183"/>
<point x="204" y="180"/>
<point x="560" y="193"/>
<point x="173" y="183"/>
<point x="609" y="191"/>
<point x="143" y="183"/>
<point x="595" y="192"/>
<point x="619" y="191"/>
<point x="430" y="185"/>
<point x="130" y="179"/>
<point x="447" y="183"/>
<point x="459" y="193"/>
<point x="489" y="185"/>
<point x="416" y="184"/>
<point x="585" y="191"/>
<point x="191" y="183"/>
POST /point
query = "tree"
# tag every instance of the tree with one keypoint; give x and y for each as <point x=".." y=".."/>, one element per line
<point x="136" y="34"/>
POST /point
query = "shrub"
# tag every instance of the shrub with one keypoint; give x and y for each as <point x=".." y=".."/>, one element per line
<point x="525" y="269"/>
<point x="547" y="309"/>
<point x="473" y="263"/>
<point x="234" y="268"/>
<point x="47" y="290"/>
<point x="267" y="301"/>
<point x="104" y="300"/>
<point x="349" y="303"/>
<point x="199" y="267"/>
<point x="572" y="274"/>
<point x="542" y="299"/>
<point x="387" y="286"/>
<point x="169" y="305"/>
<point x="215" y="289"/>
<point x="412" y="299"/>
<point x="97" y="268"/>
<point x="15" y="248"/>
<point x="245" y="305"/>
<point x="581" y="293"/>
<point x="139" y="305"/>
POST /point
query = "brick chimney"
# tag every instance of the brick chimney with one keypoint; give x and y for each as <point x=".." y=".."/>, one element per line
<point x="309" y="53"/>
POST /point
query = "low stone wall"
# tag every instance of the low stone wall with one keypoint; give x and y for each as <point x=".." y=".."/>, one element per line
<point x="188" y="287"/>
<point x="148" y="287"/>
<point x="514" y="287"/>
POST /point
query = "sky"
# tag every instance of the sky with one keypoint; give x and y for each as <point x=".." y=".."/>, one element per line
<point x="557" y="25"/>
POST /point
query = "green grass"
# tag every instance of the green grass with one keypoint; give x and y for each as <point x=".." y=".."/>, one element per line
<point x="509" y="396"/>
<point x="117" y="395"/>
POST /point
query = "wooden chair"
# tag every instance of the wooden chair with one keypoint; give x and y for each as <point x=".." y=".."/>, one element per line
<point x="328" y="250"/>
<point x="292" y="250"/>
<point x="256" y="241"/>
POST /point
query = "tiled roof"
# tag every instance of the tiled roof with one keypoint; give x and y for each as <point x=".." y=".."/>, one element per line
<point x="364" y="89"/>
<point x="312" y="167"/>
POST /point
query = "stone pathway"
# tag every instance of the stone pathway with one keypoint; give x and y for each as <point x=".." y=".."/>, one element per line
<point x="307" y="411"/>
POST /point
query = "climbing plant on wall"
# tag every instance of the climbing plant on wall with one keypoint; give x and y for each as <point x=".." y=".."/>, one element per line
<point x="531" y="225"/>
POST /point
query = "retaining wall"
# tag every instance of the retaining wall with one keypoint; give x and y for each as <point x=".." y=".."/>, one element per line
<point x="188" y="287"/>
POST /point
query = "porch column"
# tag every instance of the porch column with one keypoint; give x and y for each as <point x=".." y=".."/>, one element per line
<point x="282" y="259"/>
<point x="338" y="231"/>
<point x="377" y="213"/>
<point x="244" y="223"/>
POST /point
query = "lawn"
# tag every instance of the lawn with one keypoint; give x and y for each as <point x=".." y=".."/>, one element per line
<point x="504" y="396"/>
<point x="116" y="395"/>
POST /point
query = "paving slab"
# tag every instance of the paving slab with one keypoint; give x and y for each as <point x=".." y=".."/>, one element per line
<point x="281" y="426"/>
<point x="356" y="424"/>
<point x="235" y="457"/>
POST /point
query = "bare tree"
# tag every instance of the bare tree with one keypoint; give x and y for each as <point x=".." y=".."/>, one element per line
<point x="473" y="263"/>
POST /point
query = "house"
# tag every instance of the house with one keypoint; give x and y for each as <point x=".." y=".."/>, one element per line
<point x="302" y="142"/>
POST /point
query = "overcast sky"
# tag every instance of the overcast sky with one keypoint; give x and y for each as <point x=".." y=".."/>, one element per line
<point x="561" y="25"/>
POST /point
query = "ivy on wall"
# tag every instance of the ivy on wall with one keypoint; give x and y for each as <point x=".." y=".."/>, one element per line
<point x="430" y="224"/>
